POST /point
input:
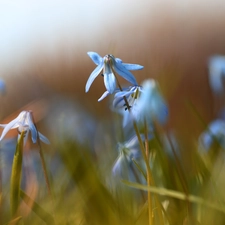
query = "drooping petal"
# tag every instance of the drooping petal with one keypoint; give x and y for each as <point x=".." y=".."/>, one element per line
<point x="32" y="128"/>
<point x="110" y="82"/>
<point x="126" y="74"/>
<point x="7" y="127"/>
<point x="43" y="138"/>
<point x="92" y="77"/>
<point x="151" y="104"/>
<point x="96" y="58"/>
<point x="132" y="66"/>
<point x="105" y="94"/>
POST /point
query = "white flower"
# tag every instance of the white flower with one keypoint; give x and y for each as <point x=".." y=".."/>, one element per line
<point x="24" y="122"/>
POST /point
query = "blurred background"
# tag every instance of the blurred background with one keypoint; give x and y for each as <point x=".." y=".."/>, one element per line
<point x="44" y="63"/>
<point x="43" y="48"/>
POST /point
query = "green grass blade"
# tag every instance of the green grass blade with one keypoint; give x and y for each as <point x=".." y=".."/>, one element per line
<point x="45" y="216"/>
<point x="16" y="176"/>
<point x="177" y="195"/>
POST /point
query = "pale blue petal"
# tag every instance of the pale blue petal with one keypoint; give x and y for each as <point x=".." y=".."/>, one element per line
<point x="132" y="66"/>
<point x="11" y="125"/>
<point x="32" y="128"/>
<point x="92" y="77"/>
<point x="2" y="86"/>
<point x="216" y="73"/>
<point x="122" y="71"/>
<point x="118" y="102"/>
<point x="127" y="118"/>
<point x="105" y="94"/>
<point x="117" y="167"/>
<point x="43" y="138"/>
<point x="110" y="82"/>
<point x="118" y="60"/>
<point x="96" y="58"/>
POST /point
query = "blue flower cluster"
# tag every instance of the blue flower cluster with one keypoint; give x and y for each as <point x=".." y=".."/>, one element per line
<point x="140" y="104"/>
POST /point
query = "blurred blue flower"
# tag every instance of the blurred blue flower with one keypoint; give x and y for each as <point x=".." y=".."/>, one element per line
<point x="24" y="122"/>
<point x="151" y="104"/>
<point x="109" y="64"/>
<point x="127" y="151"/>
<point x="130" y="111"/>
<point x="145" y="103"/>
<point x="2" y="86"/>
<point x="215" y="133"/>
<point x="216" y="73"/>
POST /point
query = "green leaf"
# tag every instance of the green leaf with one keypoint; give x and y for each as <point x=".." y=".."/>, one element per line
<point x="45" y="216"/>
<point x="16" y="176"/>
<point x="177" y="195"/>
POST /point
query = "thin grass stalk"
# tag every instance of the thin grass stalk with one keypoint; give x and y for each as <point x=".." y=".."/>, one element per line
<point x="150" y="211"/>
<point x="16" y="176"/>
<point x="149" y="176"/>
<point x="42" y="160"/>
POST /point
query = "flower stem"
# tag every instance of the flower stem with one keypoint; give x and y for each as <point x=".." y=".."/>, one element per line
<point x="42" y="160"/>
<point x="145" y="156"/>
<point x="16" y="176"/>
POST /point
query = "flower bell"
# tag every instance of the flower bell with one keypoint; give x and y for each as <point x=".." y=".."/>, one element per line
<point x="24" y="123"/>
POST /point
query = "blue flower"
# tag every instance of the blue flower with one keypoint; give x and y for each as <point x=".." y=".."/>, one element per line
<point x="127" y="152"/>
<point x="109" y="64"/>
<point x="130" y="111"/>
<point x="216" y="73"/>
<point x="214" y="134"/>
<point x="24" y="122"/>
<point x="2" y="86"/>
<point x="151" y="104"/>
<point x="145" y="103"/>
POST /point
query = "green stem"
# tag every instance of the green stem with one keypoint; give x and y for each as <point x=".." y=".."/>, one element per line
<point x="149" y="176"/>
<point x="42" y="160"/>
<point x="16" y="176"/>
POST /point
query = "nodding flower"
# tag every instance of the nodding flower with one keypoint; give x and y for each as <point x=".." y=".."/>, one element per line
<point x="216" y="73"/>
<point x="24" y="123"/>
<point x="109" y="64"/>
<point x="143" y="103"/>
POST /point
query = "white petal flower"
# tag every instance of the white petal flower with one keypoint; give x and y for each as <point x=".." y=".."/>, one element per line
<point x="24" y="122"/>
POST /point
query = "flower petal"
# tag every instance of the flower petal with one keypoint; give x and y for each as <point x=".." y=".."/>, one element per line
<point x="92" y="77"/>
<point x="96" y="58"/>
<point x="216" y="73"/>
<point x="32" y="128"/>
<point x="2" y="86"/>
<point x="122" y="71"/>
<point x="105" y="94"/>
<point x="132" y="66"/>
<point x="7" y="127"/>
<point x="110" y="82"/>
<point x="43" y="138"/>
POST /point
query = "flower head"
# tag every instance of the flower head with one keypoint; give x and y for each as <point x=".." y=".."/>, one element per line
<point x="127" y="152"/>
<point x="109" y="64"/>
<point x="214" y="134"/>
<point x="216" y="73"/>
<point x="151" y="104"/>
<point x="24" y="122"/>
<point x="145" y="103"/>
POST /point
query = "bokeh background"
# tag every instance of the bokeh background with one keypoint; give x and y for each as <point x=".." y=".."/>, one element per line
<point x="44" y="63"/>
<point x="43" y="49"/>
